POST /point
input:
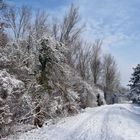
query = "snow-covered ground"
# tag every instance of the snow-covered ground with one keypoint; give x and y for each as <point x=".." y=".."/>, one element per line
<point x="109" y="122"/>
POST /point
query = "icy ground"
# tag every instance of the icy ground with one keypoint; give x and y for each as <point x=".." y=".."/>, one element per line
<point x="109" y="122"/>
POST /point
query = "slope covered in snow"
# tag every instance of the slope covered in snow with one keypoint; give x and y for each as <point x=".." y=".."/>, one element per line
<point x="109" y="122"/>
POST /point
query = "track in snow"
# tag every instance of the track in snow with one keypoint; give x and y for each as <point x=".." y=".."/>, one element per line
<point x="109" y="122"/>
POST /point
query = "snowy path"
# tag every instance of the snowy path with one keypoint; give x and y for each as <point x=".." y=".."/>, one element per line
<point x="110" y="122"/>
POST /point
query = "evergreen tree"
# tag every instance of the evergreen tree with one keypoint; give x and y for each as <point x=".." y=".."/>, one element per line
<point x="135" y="81"/>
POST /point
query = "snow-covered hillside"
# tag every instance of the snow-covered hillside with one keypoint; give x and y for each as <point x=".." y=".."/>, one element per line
<point x="109" y="122"/>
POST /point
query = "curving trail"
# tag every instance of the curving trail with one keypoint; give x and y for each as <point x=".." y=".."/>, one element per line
<point x="109" y="122"/>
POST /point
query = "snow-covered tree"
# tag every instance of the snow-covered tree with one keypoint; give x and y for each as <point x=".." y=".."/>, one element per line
<point x="135" y="81"/>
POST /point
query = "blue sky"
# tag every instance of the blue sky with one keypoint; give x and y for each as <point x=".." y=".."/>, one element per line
<point x="117" y="22"/>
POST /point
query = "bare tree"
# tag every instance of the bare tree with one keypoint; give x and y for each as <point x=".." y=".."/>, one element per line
<point x="3" y="25"/>
<point x="70" y="30"/>
<point x="18" y="20"/>
<point x="82" y="60"/>
<point x="95" y="62"/>
<point x="55" y="28"/>
<point x="110" y="74"/>
<point x="40" y="26"/>
<point x="73" y="53"/>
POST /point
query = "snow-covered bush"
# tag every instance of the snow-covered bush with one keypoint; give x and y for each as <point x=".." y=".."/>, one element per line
<point x="11" y="91"/>
<point x="16" y="60"/>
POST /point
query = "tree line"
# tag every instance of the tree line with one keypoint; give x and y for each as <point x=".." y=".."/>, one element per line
<point x="34" y="63"/>
<point x="87" y="58"/>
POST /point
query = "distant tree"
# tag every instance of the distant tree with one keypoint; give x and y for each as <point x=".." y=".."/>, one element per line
<point x="110" y="75"/>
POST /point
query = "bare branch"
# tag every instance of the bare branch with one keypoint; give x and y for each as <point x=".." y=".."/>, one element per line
<point x="95" y="62"/>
